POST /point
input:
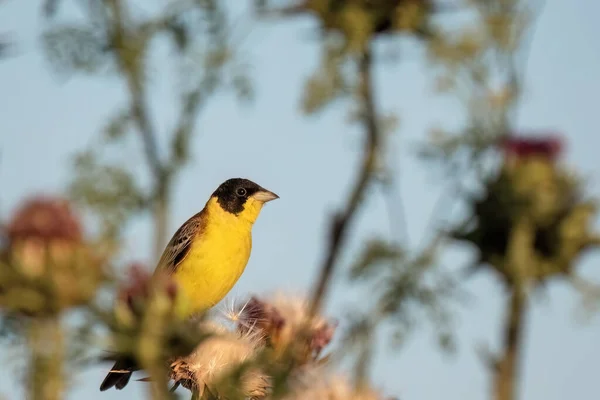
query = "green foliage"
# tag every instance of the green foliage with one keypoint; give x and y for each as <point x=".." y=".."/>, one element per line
<point x="348" y="29"/>
<point x="109" y="191"/>
<point x="405" y="288"/>
<point x="329" y="82"/>
<point x="76" y="49"/>
<point x="375" y="253"/>
<point x="117" y="126"/>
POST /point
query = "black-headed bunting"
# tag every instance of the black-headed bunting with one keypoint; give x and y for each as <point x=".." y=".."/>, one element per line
<point x="207" y="255"/>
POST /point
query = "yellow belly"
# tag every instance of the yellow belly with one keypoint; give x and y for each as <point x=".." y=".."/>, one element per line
<point x="214" y="264"/>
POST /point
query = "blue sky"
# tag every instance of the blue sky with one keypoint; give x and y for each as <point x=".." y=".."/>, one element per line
<point x="309" y="162"/>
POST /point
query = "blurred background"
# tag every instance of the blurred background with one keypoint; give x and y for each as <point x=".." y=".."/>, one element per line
<point x="227" y="89"/>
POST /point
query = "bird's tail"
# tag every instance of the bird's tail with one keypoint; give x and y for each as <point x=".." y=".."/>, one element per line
<point x="118" y="375"/>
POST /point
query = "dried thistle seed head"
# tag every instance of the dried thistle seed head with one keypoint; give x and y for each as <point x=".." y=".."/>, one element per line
<point x="258" y="315"/>
<point x="216" y="357"/>
<point x="284" y="320"/>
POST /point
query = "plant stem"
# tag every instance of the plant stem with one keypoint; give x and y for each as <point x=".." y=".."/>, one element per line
<point x="505" y="379"/>
<point x="340" y="223"/>
<point x="46" y="375"/>
<point x="158" y="385"/>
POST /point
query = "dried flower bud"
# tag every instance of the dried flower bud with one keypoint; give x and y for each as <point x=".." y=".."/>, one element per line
<point x="142" y="284"/>
<point x="138" y="286"/>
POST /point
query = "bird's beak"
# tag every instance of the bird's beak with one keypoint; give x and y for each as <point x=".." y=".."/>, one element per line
<point x="264" y="196"/>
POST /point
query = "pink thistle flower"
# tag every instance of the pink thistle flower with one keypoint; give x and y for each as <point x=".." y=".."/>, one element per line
<point x="45" y="219"/>
<point x="549" y="147"/>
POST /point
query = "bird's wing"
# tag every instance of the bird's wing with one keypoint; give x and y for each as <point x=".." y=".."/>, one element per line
<point x="180" y="244"/>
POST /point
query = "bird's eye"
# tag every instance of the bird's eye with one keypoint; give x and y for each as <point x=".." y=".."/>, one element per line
<point x="241" y="192"/>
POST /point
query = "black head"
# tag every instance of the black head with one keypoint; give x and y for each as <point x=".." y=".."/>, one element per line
<point x="234" y="193"/>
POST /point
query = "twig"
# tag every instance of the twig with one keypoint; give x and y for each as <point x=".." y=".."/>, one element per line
<point x="342" y="220"/>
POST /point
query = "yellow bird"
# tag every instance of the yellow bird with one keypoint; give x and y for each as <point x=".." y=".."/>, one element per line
<point x="207" y="255"/>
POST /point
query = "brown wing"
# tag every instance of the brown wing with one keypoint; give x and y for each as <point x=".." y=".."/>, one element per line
<point x="180" y="244"/>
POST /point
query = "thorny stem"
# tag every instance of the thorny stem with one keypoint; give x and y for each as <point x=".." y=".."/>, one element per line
<point x="342" y="220"/>
<point x="505" y="378"/>
<point x="46" y="375"/>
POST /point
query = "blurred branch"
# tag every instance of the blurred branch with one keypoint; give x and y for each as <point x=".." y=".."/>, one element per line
<point x="341" y="222"/>
<point x="129" y="58"/>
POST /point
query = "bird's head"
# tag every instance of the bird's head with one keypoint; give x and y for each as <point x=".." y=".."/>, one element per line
<point x="242" y="197"/>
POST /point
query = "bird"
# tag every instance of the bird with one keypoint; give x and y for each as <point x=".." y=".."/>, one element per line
<point x="207" y="255"/>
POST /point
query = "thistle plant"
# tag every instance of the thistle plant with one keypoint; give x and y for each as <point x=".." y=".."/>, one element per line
<point x="531" y="223"/>
<point x="47" y="268"/>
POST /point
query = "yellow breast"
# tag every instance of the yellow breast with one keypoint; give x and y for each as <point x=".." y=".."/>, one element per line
<point x="217" y="259"/>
